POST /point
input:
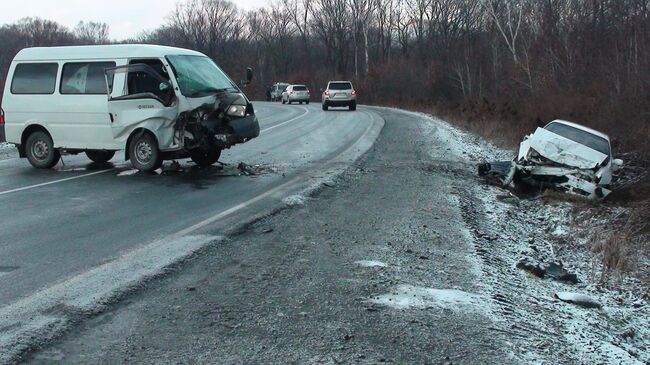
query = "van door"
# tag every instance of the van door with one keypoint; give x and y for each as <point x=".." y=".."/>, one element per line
<point x="140" y="97"/>
<point x="81" y="120"/>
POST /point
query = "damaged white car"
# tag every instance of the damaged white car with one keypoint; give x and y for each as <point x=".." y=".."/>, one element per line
<point x="565" y="156"/>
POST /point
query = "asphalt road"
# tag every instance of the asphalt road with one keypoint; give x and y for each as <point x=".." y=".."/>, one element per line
<point x="58" y="225"/>
<point x="377" y="267"/>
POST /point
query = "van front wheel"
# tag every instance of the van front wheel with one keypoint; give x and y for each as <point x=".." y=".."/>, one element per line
<point x="205" y="158"/>
<point x="99" y="156"/>
<point x="144" y="153"/>
<point x="40" y="151"/>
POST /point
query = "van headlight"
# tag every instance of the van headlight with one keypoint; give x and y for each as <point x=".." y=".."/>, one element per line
<point x="237" y="110"/>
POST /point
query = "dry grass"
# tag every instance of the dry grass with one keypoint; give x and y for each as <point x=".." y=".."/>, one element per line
<point x="623" y="248"/>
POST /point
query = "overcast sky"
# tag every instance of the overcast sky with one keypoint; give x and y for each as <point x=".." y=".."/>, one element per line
<point x="126" y="18"/>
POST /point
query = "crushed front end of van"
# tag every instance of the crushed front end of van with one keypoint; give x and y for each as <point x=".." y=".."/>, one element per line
<point x="228" y="121"/>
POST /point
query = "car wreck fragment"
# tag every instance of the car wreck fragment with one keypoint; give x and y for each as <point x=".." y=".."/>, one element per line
<point x="563" y="156"/>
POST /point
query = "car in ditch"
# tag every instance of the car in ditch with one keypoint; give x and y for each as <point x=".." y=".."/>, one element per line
<point x="152" y="102"/>
<point x="564" y="156"/>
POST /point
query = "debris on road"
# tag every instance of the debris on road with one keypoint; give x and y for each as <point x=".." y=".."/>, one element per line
<point x="532" y="266"/>
<point x="577" y="299"/>
<point x="556" y="271"/>
<point x="564" y="156"/>
<point x="246" y="169"/>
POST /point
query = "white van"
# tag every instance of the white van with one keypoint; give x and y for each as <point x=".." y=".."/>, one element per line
<point x="153" y="102"/>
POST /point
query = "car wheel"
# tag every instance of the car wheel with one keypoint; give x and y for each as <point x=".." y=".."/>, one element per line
<point x="283" y="102"/>
<point x="325" y="107"/>
<point x="99" y="156"/>
<point x="40" y="150"/>
<point x="144" y="152"/>
<point x="307" y="102"/>
<point x="353" y="106"/>
<point x="205" y="158"/>
<point x="301" y="103"/>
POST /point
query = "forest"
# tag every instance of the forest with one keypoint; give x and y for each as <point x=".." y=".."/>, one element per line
<point x="496" y="67"/>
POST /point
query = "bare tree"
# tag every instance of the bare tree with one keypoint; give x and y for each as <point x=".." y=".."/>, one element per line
<point x="92" y="32"/>
<point x="507" y="16"/>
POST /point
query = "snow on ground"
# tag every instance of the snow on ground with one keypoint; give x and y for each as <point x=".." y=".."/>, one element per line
<point x="128" y="172"/>
<point x="294" y="200"/>
<point x="505" y="229"/>
<point x="408" y="296"/>
<point x="370" y="263"/>
<point x="7" y="150"/>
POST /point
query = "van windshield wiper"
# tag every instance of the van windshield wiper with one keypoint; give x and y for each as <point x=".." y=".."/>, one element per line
<point x="210" y="91"/>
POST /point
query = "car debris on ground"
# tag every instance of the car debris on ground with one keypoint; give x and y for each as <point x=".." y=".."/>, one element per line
<point x="563" y="156"/>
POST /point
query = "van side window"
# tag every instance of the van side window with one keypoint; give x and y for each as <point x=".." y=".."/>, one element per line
<point x="84" y="78"/>
<point x="140" y="82"/>
<point x="34" y="78"/>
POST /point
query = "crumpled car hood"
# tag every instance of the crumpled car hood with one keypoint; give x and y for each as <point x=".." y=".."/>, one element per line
<point x="561" y="150"/>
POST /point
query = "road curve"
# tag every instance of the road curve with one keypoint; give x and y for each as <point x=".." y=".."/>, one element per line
<point x="60" y="223"/>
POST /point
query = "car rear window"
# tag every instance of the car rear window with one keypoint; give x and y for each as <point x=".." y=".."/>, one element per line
<point x="340" y="86"/>
<point x="300" y="88"/>
<point x="84" y="78"/>
<point x="590" y="140"/>
<point x="34" y="78"/>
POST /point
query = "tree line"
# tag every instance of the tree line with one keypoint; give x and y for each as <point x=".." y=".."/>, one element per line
<point x="500" y="66"/>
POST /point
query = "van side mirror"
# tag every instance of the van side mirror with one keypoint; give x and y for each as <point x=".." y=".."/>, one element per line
<point x="249" y="76"/>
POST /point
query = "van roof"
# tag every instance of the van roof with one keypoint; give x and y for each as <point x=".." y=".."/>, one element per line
<point x="113" y="51"/>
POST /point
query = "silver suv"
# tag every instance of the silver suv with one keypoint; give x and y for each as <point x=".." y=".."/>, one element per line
<point x="339" y="93"/>
<point x="296" y="93"/>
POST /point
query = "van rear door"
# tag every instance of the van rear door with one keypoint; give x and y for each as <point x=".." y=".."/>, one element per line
<point x="140" y="97"/>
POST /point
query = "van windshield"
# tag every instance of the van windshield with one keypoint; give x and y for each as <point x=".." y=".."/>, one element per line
<point x="198" y="76"/>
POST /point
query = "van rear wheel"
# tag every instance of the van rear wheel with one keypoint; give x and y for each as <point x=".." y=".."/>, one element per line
<point x="144" y="153"/>
<point x="205" y="158"/>
<point x="100" y="156"/>
<point x="40" y="150"/>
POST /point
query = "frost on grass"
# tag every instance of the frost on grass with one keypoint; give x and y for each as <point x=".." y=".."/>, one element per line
<point x="408" y="296"/>
<point x="294" y="200"/>
<point x="370" y="263"/>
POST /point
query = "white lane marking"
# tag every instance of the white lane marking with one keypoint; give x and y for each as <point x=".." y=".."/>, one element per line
<point x="288" y="121"/>
<point x="100" y="172"/>
<point x="53" y="182"/>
